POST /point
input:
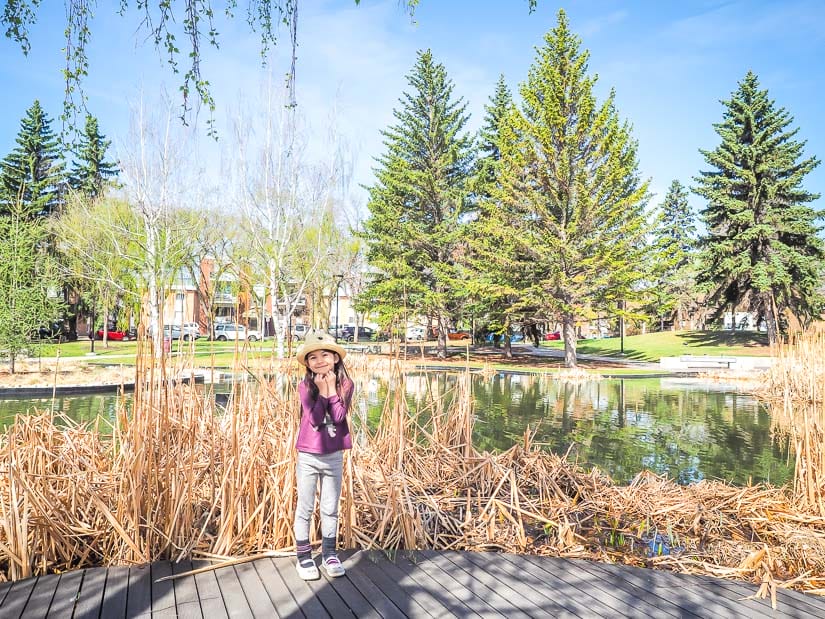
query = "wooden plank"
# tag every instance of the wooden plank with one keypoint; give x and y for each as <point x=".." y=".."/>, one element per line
<point x="352" y="597"/>
<point x="163" y="593"/>
<point x="139" y="593"/>
<point x="4" y="589"/>
<point x="478" y="589"/>
<point x="307" y="602"/>
<point x="233" y="597"/>
<point x="809" y="606"/>
<point x="40" y="597"/>
<point x="253" y="588"/>
<point x="506" y="573"/>
<point x="17" y="596"/>
<point x="277" y="591"/>
<point x="114" y="595"/>
<point x="598" y="595"/>
<point x="655" y="605"/>
<point x="408" y="564"/>
<point x="187" y="604"/>
<point x="625" y="598"/>
<point x="411" y="600"/>
<point x="487" y="602"/>
<point x="682" y="591"/>
<point x="65" y="597"/>
<point x="377" y="598"/>
<point x="209" y="593"/>
<point x="90" y="599"/>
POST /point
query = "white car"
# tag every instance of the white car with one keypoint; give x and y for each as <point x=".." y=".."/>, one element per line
<point x="191" y="330"/>
<point x="232" y="331"/>
<point x="415" y="334"/>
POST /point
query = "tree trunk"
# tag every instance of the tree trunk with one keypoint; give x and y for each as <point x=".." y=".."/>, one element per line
<point x="569" y="334"/>
<point x="768" y="310"/>
<point x="442" y="338"/>
<point x="508" y="347"/>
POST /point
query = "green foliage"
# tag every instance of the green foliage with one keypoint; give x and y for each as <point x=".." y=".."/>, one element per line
<point x="761" y="247"/>
<point x="414" y="230"/>
<point x="566" y="222"/>
<point x="674" y="242"/>
<point x="91" y="172"/>
<point x="28" y="285"/>
<point x="32" y="174"/>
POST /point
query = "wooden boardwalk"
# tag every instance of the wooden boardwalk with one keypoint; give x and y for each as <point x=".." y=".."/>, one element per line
<point x="419" y="584"/>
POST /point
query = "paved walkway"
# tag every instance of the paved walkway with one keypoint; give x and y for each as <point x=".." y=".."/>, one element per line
<point x="417" y="584"/>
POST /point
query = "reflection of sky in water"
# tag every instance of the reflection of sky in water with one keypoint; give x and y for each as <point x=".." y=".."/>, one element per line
<point x="684" y="429"/>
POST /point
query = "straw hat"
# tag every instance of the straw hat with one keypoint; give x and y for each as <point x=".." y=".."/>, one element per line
<point x="318" y="340"/>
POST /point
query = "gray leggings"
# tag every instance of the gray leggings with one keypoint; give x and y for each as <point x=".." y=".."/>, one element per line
<point x="309" y="470"/>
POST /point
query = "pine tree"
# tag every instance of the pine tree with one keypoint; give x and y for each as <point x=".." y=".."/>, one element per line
<point x="761" y="248"/>
<point x="418" y="201"/>
<point x="673" y="253"/>
<point x="33" y="173"/>
<point x="489" y="136"/>
<point x="571" y="219"/>
<point x="91" y="172"/>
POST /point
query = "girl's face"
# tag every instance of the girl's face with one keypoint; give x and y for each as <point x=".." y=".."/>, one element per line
<point x="322" y="361"/>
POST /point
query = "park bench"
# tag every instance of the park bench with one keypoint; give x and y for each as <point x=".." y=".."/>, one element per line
<point x="705" y="362"/>
<point x="364" y="349"/>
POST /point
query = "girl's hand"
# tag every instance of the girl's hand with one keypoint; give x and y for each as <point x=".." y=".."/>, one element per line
<point x="325" y="383"/>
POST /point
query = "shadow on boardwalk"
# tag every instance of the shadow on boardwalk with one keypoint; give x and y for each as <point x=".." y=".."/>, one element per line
<point x="406" y="584"/>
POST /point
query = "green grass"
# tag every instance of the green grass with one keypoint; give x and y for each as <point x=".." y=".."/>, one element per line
<point x="653" y="346"/>
<point x="206" y="352"/>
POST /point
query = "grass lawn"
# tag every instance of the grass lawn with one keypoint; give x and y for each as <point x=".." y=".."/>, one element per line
<point x="205" y="353"/>
<point x="653" y="346"/>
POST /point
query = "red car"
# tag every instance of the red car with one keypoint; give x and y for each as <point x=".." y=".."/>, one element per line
<point x="555" y="335"/>
<point x="116" y="335"/>
<point x="458" y="335"/>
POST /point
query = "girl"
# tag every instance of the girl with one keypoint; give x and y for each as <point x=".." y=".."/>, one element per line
<point x="323" y="435"/>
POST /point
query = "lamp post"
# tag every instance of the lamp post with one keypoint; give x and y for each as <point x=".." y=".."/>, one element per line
<point x="339" y="278"/>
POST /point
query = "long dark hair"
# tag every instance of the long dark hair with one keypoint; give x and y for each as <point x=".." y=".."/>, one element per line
<point x="342" y="379"/>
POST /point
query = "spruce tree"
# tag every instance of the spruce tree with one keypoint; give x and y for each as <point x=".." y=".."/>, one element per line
<point x="90" y="171"/>
<point x="418" y="201"/>
<point x="571" y="223"/>
<point x="673" y="254"/>
<point x="33" y="173"/>
<point x="761" y="250"/>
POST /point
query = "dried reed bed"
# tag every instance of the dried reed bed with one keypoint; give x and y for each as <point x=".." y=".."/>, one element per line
<point x="795" y="388"/>
<point x="174" y="479"/>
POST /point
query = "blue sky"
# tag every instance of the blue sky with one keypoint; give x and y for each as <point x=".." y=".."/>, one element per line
<point x="670" y="63"/>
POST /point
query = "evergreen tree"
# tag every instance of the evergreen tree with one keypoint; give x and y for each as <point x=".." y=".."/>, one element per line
<point x="569" y="226"/>
<point x="673" y="254"/>
<point x="91" y="172"/>
<point x="33" y="173"/>
<point x="28" y="282"/>
<point x="418" y="201"/>
<point x="489" y="137"/>
<point x="761" y="247"/>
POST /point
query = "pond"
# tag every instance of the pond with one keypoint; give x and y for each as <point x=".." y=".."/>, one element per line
<point x="685" y="429"/>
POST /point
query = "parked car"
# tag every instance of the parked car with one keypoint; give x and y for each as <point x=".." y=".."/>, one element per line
<point x="554" y="335"/>
<point x="55" y="330"/>
<point x="491" y="338"/>
<point x="365" y="334"/>
<point x="299" y="331"/>
<point x="191" y="330"/>
<point x="416" y="333"/>
<point x="458" y="335"/>
<point x="114" y="334"/>
<point x="232" y="331"/>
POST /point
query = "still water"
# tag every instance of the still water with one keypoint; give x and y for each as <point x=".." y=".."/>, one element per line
<point x="682" y="428"/>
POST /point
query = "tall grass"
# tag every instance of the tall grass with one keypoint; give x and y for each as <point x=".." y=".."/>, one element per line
<point x="176" y="478"/>
<point x="795" y="388"/>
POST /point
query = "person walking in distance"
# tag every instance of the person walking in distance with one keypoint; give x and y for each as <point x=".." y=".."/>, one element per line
<point x="323" y="435"/>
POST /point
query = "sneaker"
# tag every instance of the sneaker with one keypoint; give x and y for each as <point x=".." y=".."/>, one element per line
<point x="307" y="570"/>
<point x="332" y="566"/>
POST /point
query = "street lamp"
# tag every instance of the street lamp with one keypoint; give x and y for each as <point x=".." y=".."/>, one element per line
<point x="339" y="278"/>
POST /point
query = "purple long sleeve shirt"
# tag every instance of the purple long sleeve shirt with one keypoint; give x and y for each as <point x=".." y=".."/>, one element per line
<point x="313" y="434"/>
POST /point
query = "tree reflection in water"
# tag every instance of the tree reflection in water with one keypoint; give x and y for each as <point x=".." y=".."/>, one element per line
<point x="682" y="428"/>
